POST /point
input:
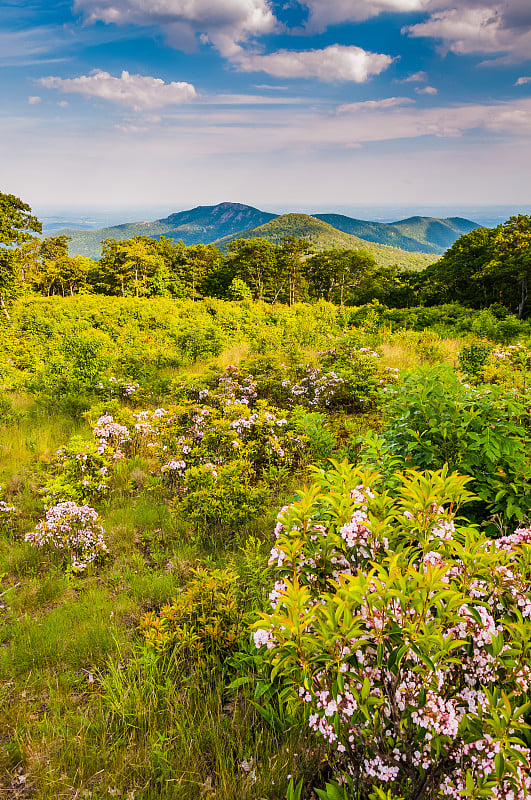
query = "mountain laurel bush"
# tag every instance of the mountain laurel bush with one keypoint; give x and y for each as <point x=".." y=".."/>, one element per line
<point x="407" y="633"/>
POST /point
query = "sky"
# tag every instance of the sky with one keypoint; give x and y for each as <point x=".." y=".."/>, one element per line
<point x="167" y="104"/>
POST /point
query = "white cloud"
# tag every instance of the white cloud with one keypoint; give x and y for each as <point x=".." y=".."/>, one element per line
<point x="426" y="90"/>
<point x="333" y="12"/>
<point x="252" y="131"/>
<point x="479" y="26"/>
<point x="523" y="80"/>
<point x="225" y="23"/>
<point x="451" y="121"/>
<point x="463" y="26"/>
<point x="374" y="105"/>
<point x="334" y="63"/>
<point x="416" y="77"/>
<point x="136" y="91"/>
<point x="34" y="100"/>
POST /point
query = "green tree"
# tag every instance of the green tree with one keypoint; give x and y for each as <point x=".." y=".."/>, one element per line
<point x="291" y="266"/>
<point x="512" y="258"/>
<point x="255" y="261"/>
<point x="334" y="275"/>
<point x="46" y="266"/>
<point x="201" y="261"/>
<point x="132" y="267"/>
<point x="17" y="225"/>
<point x="484" y="267"/>
<point x="460" y="274"/>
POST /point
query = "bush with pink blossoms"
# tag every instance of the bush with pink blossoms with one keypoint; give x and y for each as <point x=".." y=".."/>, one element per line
<point x="83" y="473"/>
<point x="73" y="530"/>
<point x="407" y="632"/>
<point x="111" y="437"/>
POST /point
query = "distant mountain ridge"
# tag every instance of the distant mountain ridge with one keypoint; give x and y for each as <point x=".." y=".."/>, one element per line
<point x="324" y="236"/>
<point x="208" y="224"/>
<point x="416" y="234"/>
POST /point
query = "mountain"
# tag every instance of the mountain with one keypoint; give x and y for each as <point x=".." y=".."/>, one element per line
<point x="416" y="234"/>
<point x="324" y="237"/>
<point x="200" y="225"/>
<point x="437" y="233"/>
<point x="206" y="224"/>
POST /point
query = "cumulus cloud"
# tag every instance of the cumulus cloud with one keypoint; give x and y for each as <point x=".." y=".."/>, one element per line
<point x="34" y="100"/>
<point x="426" y="90"/>
<point x="136" y="91"/>
<point x="463" y="26"/>
<point x="334" y="63"/>
<point x="225" y="23"/>
<point x="523" y="80"/>
<point x="478" y="26"/>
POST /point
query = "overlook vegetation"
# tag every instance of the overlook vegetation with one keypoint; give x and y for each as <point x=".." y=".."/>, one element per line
<point x="256" y="549"/>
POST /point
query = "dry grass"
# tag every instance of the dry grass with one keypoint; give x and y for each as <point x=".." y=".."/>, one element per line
<point x="406" y="353"/>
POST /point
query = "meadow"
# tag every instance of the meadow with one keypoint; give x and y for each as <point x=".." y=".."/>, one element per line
<point x="254" y="551"/>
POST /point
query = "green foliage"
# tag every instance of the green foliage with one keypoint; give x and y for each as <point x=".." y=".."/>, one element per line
<point x="473" y="357"/>
<point x="201" y="339"/>
<point x="211" y="453"/>
<point x="71" y="368"/>
<point x="17" y="224"/>
<point x="239" y="290"/>
<point x="346" y="791"/>
<point x="83" y="474"/>
<point x="486" y="266"/>
<point x="336" y="274"/>
<point x="313" y="426"/>
<point x="360" y="371"/>
<point x="203" y="625"/>
<point x="221" y="498"/>
<point x="435" y="419"/>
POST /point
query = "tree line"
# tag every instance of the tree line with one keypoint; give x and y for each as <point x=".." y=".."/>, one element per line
<point x="482" y="268"/>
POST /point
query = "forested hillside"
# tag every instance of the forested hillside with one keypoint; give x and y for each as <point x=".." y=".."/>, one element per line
<point x="323" y="236"/>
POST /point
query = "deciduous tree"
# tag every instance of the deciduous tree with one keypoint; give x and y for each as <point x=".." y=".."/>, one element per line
<point x="17" y="225"/>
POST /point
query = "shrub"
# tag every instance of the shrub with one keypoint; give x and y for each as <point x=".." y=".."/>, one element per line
<point x="473" y="357"/>
<point x="220" y="496"/>
<point x="71" y="368"/>
<point x="239" y="290"/>
<point x="71" y="529"/>
<point x="406" y="633"/>
<point x="313" y="426"/>
<point x="203" y="625"/>
<point x="83" y="474"/>
<point x="433" y="419"/>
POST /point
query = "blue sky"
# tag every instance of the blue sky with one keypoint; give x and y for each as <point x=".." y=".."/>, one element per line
<point x="296" y="104"/>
